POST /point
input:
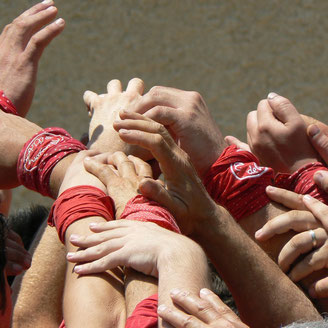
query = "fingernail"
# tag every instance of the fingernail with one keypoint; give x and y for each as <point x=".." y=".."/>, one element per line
<point x="313" y="130"/>
<point x="116" y="121"/>
<point x="93" y="225"/>
<point x="60" y="21"/>
<point x="87" y="158"/>
<point x="175" y="291"/>
<point x="27" y="262"/>
<point x="269" y="188"/>
<point x="46" y="2"/>
<point x="77" y="269"/>
<point x="312" y="292"/>
<point x="271" y="95"/>
<point x="307" y="198"/>
<point x="74" y="237"/>
<point x="318" y="177"/>
<point x="258" y="233"/>
<point x="51" y="8"/>
<point x="205" y="291"/>
<point x="124" y="131"/>
<point x="161" y="308"/>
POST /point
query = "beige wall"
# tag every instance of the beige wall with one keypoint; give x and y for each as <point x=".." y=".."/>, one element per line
<point x="232" y="51"/>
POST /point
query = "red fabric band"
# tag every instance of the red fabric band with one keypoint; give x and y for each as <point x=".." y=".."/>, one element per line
<point x="145" y="314"/>
<point x="6" y="105"/>
<point x="40" y="155"/>
<point x="302" y="182"/>
<point x="141" y="208"/>
<point x="237" y="182"/>
<point x="77" y="203"/>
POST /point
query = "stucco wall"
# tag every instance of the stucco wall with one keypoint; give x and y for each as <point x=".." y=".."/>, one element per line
<point x="232" y="51"/>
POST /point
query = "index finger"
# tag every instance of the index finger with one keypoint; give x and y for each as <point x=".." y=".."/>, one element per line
<point x="285" y="197"/>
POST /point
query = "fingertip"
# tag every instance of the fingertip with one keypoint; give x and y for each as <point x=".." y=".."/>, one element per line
<point x="205" y="292"/>
<point x="60" y="22"/>
<point x="272" y="95"/>
<point x="259" y="234"/>
<point x="313" y="130"/>
<point x="312" y="291"/>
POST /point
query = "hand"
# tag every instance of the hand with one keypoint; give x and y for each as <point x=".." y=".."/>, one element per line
<point x="134" y="244"/>
<point x="312" y="241"/>
<point x="22" y="43"/>
<point x="121" y="175"/>
<point x="188" y="119"/>
<point x="18" y="259"/>
<point x="274" y="130"/>
<point x="104" y="111"/>
<point x="184" y="194"/>
<point x="207" y="310"/>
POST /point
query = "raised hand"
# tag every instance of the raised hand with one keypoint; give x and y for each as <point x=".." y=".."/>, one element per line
<point x="274" y="130"/>
<point x="22" y="43"/>
<point x="188" y="119"/>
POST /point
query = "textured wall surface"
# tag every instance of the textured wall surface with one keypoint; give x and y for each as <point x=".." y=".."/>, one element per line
<point x="232" y="51"/>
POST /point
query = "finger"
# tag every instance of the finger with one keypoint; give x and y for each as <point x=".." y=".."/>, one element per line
<point x="15" y="256"/>
<point x="41" y="39"/>
<point x="110" y="225"/>
<point x="293" y="220"/>
<point x="37" y="8"/>
<point x="165" y="115"/>
<point x="282" y="108"/>
<point x="135" y="85"/>
<point x="285" y="197"/>
<point x="161" y="96"/>
<point x="315" y="261"/>
<point x="114" y="86"/>
<point x="301" y="243"/>
<point x="321" y="179"/>
<point x="142" y="168"/>
<point x="230" y="140"/>
<point x="178" y="319"/>
<point x="107" y="262"/>
<point x="96" y="238"/>
<point x="252" y="127"/>
<point x="96" y="252"/>
<point x="318" y="209"/>
<point x="266" y="119"/>
<point x="89" y="98"/>
<point x="319" y="141"/>
<point x="103" y="172"/>
<point x="124" y="166"/>
<point x="154" y="190"/>
<point x="319" y="289"/>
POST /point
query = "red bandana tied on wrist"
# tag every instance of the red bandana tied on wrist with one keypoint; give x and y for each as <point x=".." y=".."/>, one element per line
<point x="302" y="182"/>
<point x="141" y="208"/>
<point x="237" y="182"/>
<point x="41" y="154"/>
<point x="6" y="105"/>
<point x="77" y="203"/>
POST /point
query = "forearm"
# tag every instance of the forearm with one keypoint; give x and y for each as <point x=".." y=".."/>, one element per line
<point x="262" y="290"/>
<point x="88" y="298"/>
<point x="183" y="268"/>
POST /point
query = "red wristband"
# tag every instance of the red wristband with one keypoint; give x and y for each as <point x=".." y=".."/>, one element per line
<point x="6" y="105"/>
<point x="77" y="203"/>
<point x="237" y="182"/>
<point x="145" y="314"/>
<point x="41" y="154"/>
<point x="141" y="208"/>
<point x="302" y="182"/>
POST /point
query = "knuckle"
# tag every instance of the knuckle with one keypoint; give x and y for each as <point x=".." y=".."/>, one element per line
<point x="155" y="91"/>
<point x="195" y="96"/>
<point x="159" y="140"/>
<point x="188" y="322"/>
<point x="20" y="23"/>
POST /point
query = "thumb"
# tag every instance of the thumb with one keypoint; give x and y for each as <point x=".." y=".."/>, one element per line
<point x="230" y="140"/>
<point x="321" y="179"/>
<point x="319" y="141"/>
<point x="154" y="189"/>
<point x="102" y="171"/>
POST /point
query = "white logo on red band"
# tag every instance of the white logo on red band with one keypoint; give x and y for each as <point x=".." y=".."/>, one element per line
<point x="36" y="144"/>
<point x="243" y="171"/>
